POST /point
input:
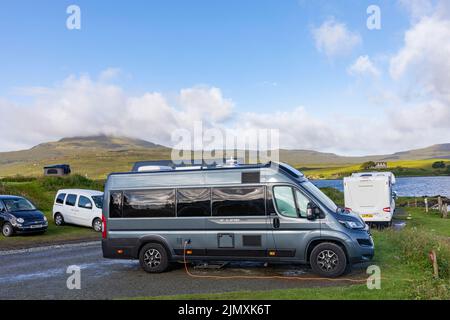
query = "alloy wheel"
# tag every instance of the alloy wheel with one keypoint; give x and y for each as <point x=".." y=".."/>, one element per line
<point x="327" y="260"/>
<point x="152" y="258"/>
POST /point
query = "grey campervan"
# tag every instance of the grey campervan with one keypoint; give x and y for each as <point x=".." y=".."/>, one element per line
<point x="269" y="213"/>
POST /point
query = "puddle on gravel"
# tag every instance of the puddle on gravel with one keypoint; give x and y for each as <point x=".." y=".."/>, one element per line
<point x="255" y="268"/>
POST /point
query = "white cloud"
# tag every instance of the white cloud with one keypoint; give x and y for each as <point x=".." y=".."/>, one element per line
<point x="82" y="106"/>
<point x="417" y="8"/>
<point x="334" y="38"/>
<point x="363" y="66"/>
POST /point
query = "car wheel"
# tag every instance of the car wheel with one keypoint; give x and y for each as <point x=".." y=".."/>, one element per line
<point x="59" y="219"/>
<point x="7" y="230"/>
<point x="97" y="224"/>
<point x="328" y="260"/>
<point x="153" y="258"/>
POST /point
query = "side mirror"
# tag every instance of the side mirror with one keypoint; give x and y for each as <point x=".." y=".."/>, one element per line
<point x="313" y="212"/>
<point x="88" y="206"/>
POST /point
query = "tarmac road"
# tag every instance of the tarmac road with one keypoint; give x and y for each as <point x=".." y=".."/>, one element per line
<point x="40" y="273"/>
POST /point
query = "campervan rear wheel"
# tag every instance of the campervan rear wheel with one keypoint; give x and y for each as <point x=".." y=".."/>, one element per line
<point x="328" y="260"/>
<point x="153" y="258"/>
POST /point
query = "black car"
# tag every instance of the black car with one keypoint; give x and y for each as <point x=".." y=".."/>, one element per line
<point x="18" y="215"/>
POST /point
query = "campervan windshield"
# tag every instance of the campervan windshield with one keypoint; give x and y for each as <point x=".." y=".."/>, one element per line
<point x="319" y="195"/>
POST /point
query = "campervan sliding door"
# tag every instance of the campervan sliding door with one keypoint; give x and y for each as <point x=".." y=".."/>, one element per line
<point x="238" y="226"/>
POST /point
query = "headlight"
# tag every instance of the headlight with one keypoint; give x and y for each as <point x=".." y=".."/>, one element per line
<point x="45" y="218"/>
<point x="20" y="220"/>
<point x="352" y="224"/>
<point x="13" y="221"/>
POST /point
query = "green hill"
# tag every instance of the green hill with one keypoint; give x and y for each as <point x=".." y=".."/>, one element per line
<point x="96" y="156"/>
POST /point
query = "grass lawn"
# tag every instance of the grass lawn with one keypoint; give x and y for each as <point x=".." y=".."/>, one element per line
<point x="402" y="256"/>
<point x="42" y="192"/>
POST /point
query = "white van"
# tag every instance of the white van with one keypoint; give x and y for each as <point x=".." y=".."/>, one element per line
<point x="371" y="195"/>
<point x="79" y="207"/>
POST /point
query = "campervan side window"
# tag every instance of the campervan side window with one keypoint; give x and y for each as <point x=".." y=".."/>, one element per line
<point x="149" y="203"/>
<point x="115" y="204"/>
<point x="194" y="202"/>
<point x="237" y="201"/>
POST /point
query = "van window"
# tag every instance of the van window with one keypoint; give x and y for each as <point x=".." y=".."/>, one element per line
<point x="71" y="199"/>
<point x="115" y="204"/>
<point x="98" y="200"/>
<point x="194" y="202"/>
<point x="285" y="201"/>
<point x="85" y="203"/>
<point x="302" y="203"/>
<point x="149" y="203"/>
<point x="60" y="198"/>
<point x="235" y="201"/>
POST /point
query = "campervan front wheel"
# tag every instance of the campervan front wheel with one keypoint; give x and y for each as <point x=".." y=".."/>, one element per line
<point x="154" y="258"/>
<point x="328" y="260"/>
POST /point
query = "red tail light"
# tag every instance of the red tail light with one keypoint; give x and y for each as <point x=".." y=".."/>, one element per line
<point x="388" y="209"/>
<point x="103" y="227"/>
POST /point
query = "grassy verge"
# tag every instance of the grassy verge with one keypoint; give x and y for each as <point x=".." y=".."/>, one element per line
<point x="42" y="191"/>
<point x="402" y="257"/>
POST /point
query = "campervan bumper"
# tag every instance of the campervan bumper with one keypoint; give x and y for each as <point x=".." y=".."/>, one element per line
<point x="363" y="246"/>
<point x="120" y="248"/>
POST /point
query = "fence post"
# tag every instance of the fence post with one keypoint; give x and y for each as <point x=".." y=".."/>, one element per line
<point x="445" y="211"/>
<point x="440" y="204"/>
<point x="415" y="202"/>
<point x="426" y="205"/>
<point x="433" y="259"/>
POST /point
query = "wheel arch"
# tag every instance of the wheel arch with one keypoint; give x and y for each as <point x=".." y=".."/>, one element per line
<point x="154" y="239"/>
<point x="313" y="243"/>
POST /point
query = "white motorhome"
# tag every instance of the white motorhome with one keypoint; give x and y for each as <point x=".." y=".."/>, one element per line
<point x="371" y="195"/>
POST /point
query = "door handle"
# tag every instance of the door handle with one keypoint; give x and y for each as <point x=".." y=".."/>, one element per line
<point x="276" y="223"/>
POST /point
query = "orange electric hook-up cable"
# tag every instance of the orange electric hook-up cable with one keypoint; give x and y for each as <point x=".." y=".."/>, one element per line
<point x="261" y="277"/>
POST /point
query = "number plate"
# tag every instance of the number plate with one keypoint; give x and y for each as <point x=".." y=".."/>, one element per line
<point x="367" y="215"/>
<point x="36" y="226"/>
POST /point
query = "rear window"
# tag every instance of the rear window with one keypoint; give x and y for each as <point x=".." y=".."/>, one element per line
<point x="98" y="200"/>
<point x="71" y="199"/>
<point x="60" y="198"/>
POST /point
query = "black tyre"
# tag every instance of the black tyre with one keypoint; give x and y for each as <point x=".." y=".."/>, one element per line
<point x="154" y="258"/>
<point x="7" y="229"/>
<point x="59" y="219"/>
<point x="97" y="225"/>
<point x="328" y="260"/>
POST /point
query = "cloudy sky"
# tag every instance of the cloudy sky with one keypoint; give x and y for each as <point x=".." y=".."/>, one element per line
<point x="311" y="69"/>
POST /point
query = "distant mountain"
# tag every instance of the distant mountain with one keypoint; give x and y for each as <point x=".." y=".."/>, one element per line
<point x="437" y="151"/>
<point x="69" y="147"/>
<point x="99" y="155"/>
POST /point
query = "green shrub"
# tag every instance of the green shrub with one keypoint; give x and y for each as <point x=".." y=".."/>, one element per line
<point x="74" y="181"/>
<point x="438" y="165"/>
<point x="18" y="178"/>
<point x="335" y="195"/>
